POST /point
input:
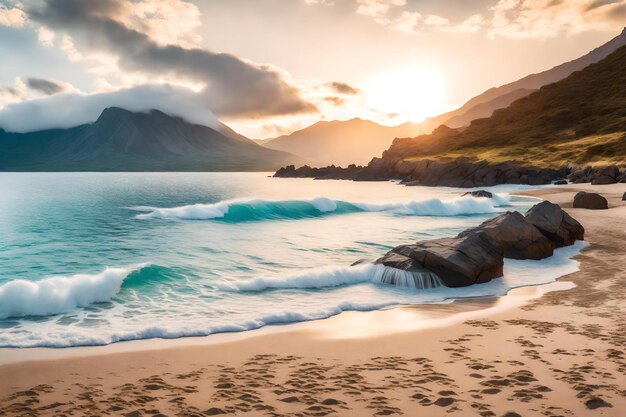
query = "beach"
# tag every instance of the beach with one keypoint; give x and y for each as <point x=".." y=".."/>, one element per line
<point x="553" y="350"/>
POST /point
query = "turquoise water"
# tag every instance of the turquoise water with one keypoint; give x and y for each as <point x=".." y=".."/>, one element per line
<point x="192" y="254"/>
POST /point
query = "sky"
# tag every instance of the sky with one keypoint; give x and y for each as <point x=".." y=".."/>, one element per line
<point x="269" y="67"/>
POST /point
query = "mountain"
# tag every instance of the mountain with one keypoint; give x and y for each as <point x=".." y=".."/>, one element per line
<point x="120" y="140"/>
<point x="353" y="141"/>
<point x="580" y="119"/>
<point x="486" y="103"/>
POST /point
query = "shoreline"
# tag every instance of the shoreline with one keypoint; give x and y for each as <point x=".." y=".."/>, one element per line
<point x="556" y="352"/>
<point x="430" y="315"/>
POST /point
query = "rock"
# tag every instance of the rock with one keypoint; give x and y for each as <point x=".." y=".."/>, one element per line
<point x="560" y="182"/>
<point x="460" y="172"/>
<point x="603" y="180"/>
<point x="478" y="193"/>
<point x="519" y="238"/>
<point x="555" y="224"/>
<point x="458" y="262"/>
<point x="624" y="197"/>
<point x="596" y="402"/>
<point x="592" y="201"/>
<point x="606" y="175"/>
<point x="477" y="254"/>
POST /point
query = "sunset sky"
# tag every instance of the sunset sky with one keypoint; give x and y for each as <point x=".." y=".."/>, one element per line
<point x="268" y="67"/>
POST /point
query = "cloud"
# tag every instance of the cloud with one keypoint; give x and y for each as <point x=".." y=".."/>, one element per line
<point x="536" y="19"/>
<point x="234" y="87"/>
<point x="47" y="87"/>
<point x="378" y="9"/>
<point x="392" y="13"/>
<point x="66" y="110"/>
<point x="337" y="101"/>
<point x="9" y="95"/>
<point x="12" y="16"/>
<point x="343" y="88"/>
<point x="540" y="19"/>
<point x="322" y="2"/>
<point x="45" y="36"/>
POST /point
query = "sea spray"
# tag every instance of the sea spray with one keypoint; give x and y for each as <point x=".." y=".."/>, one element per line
<point x="334" y="276"/>
<point x="60" y="294"/>
<point x="257" y="209"/>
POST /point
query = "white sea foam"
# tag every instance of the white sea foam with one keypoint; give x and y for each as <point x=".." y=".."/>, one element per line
<point x="55" y="295"/>
<point x="339" y="275"/>
<point x="435" y="207"/>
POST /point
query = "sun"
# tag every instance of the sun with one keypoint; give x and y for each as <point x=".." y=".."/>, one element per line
<point x="406" y="94"/>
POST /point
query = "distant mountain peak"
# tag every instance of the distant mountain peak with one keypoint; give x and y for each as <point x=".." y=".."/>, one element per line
<point x="123" y="140"/>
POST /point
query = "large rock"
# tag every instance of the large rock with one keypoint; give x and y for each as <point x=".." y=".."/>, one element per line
<point x="606" y="175"/>
<point x="519" y="238"/>
<point x="458" y="262"/>
<point x="478" y="193"/>
<point x="624" y="197"/>
<point x="592" y="201"/>
<point x="555" y="224"/>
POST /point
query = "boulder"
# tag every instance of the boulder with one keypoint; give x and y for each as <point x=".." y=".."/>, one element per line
<point x="560" y="182"/>
<point x="624" y="197"/>
<point x="555" y="224"/>
<point x="606" y="175"/>
<point x="478" y="193"/>
<point x="458" y="262"/>
<point x="592" y="201"/>
<point x="519" y="238"/>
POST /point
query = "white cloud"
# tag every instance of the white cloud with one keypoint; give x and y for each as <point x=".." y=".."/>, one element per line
<point x="378" y="9"/>
<point x="45" y="36"/>
<point x="322" y="2"/>
<point x="508" y="18"/>
<point x="167" y="22"/>
<point x="433" y="20"/>
<point x="12" y="17"/>
<point x="72" y="109"/>
<point x="548" y="18"/>
<point x="407" y="22"/>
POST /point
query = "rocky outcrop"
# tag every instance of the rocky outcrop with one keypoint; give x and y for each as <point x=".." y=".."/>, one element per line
<point x="477" y="254"/>
<point x="555" y="224"/>
<point x="598" y="176"/>
<point x="460" y="172"/>
<point x="458" y="262"/>
<point x="592" y="201"/>
<point x="478" y="194"/>
<point x="518" y="237"/>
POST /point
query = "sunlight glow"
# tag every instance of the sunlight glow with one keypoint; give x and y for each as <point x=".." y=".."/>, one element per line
<point x="410" y="94"/>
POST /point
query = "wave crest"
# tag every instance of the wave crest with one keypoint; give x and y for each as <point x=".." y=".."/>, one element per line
<point x="249" y="210"/>
<point x="56" y="295"/>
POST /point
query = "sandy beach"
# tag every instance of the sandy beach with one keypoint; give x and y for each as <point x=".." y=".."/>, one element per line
<point x="554" y="350"/>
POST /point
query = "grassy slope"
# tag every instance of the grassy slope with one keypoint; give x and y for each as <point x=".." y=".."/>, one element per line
<point x="581" y="119"/>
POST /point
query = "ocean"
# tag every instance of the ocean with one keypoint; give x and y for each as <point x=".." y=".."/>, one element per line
<point x="97" y="258"/>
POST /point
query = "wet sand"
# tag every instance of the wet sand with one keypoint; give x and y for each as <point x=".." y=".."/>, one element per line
<point x="554" y="350"/>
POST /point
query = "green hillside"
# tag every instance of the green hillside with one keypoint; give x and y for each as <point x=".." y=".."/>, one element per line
<point x="580" y="119"/>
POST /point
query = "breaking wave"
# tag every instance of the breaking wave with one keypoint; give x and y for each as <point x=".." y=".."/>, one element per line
<point x="251" y="210"/>
<point x="56" y="295"/>
<point x="337" y="276"/>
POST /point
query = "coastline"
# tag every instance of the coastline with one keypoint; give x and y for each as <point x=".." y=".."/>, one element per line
<point x="534" y="340"/>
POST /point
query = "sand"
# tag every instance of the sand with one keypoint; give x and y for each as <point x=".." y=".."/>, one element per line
<point x="555" y="350"/>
